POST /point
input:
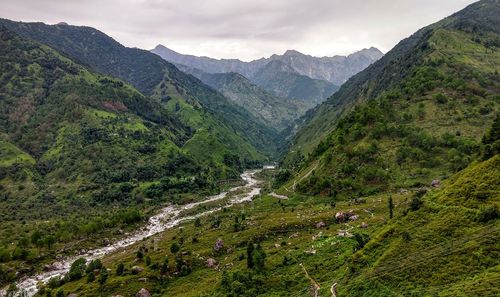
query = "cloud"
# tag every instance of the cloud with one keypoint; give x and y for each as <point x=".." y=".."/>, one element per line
<point x="246" y="29"/>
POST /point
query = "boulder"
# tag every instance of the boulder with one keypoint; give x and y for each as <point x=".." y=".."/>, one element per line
<point x="340" y="217"/>
<point x="137" y="269"/>
<point x="436" y="183"/>
<point x="219" y="244"/>
<point x="211" y="262"/>
<point x="143" y="293"/>
<point x="320" y="224"/>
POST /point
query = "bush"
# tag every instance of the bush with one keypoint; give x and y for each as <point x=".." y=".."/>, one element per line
<point x="441" y="98"/>
<point x="77" y="269"/>
<point x="487" y="213"/>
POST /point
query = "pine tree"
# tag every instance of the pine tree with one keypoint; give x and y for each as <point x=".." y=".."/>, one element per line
<point x="391" y="207"/>
<point x="250" y="249"/>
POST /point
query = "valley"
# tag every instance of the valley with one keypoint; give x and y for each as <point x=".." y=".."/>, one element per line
<point x="131" y="172"/>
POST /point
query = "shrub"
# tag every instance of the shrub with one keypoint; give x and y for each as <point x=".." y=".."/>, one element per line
<point x="77" y="269"/>
<point x="441" y="98"/>
<point x="487" y="213"/>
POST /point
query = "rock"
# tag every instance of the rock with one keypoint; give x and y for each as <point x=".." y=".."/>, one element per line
<point x="143" y="293"/>
<point x="143" y="279"/>
<point x="137" y="269"/>
<point x="211" y="262"/>
<point x="364" y="225"/>
<point x="353" y="217"/>
<point x="340" y="217"/>
<point x="344" y="233"/>
<point x="294" y="235"/>
<point x="72" y="295"/>
<point x="436" y="183"/>
<point x="320" y="224"/>
<point x="219" y="244"/>
<point x="277" y="245"/>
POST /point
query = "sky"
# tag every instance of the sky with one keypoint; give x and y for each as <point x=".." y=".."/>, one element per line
<point x="241" y="28"/>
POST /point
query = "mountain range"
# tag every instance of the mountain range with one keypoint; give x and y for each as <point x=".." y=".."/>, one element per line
<point x="292" y="75"/>
<point x="388" y="187"/>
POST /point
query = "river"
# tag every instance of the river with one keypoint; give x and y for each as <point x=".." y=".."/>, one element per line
<point x="169" y="217"/>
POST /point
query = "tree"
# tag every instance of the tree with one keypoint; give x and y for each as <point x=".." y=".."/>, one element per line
<point x="197" y="222"/>
<point x="90" y="277"/>
<point x="77" y="269"/>
<point x="49" y="241"/>
<point x="164" y="266"/>
<point x="174" y="248"/>
<point x="250" y="249"/>
<point x="391" y="207"/>
<point x="119" y="269"/>
<point x="259" y="257"/>
<point x="103" y="276"/>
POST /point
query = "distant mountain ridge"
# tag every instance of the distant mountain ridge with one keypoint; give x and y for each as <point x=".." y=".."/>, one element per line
<point x="292" y="75"/>
<point x="272" y="110"/>
<point x="335" y="69"/>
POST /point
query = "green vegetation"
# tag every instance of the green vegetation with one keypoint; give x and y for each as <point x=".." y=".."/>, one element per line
<point x="427" y="127"/>
<point x="395" y="193"/>
<point x="86" y="157"/>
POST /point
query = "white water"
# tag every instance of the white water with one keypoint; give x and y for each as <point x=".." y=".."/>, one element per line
<point x="167" y="218"/>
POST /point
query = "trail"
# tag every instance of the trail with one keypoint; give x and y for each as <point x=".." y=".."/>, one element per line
<point x="167" y="218"/>
<point x="302" y="178"/>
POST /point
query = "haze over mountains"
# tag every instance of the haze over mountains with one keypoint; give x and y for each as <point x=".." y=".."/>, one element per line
<point x="292" y="75"/>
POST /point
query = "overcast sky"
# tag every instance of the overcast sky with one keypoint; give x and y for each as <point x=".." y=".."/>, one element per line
<point x="246" y="29"/>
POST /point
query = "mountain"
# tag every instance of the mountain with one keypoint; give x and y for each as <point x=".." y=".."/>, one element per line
<point x="416" y="115"/>
<point x="282" y="80"/>
<point x="336" y="69"/>
<point x="83" y="155"/>
<point x="181" y="93"/>
<point x="305" y="77"/>
<point x="271" y="110"/>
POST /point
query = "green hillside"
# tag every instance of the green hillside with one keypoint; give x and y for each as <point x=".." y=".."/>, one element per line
<point x="447" y="246"/>
<point x="276" y="112"/>
<point x="425" y="126"/>
<point x="73" y="141"/>
<point x="480" y="25"/>
<point x="155" y="77"/>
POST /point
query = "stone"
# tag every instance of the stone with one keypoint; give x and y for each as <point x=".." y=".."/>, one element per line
<point x="219" y="244"/>
<point x="72" y="295"/>
<point x="364" y="225"/>
<point x="436" y="183"/>
<point x="320" y="224"/>
<point x="211" y="262"/>
<point x="353" y="217"/>
<point x="143" y="279"/>
<point x="137" y="269"/>
<point x="340" y="216"/>
<point x="143" y="293"/>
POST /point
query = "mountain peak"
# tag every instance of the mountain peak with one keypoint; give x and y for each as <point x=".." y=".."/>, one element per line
<point x="292" y="53"/>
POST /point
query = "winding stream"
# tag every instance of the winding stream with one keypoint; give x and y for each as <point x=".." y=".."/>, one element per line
<point x="167" y="218"/>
